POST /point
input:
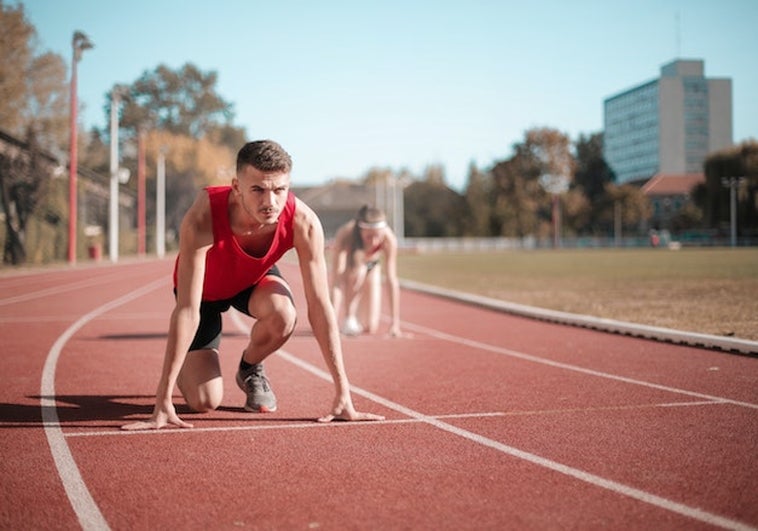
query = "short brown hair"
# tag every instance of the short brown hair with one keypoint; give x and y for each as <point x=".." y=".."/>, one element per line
<point x="264" y="155"/>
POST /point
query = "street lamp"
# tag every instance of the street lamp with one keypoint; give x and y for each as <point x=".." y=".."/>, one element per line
<point x="79" y="43"/>
<point x="732" y="183"/>
<point x="555" y="185"/>
<point x="160" y="204"/>
<point x="116" y="94"/>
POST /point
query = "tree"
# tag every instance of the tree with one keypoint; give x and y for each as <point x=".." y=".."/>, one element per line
<point x="478" y="195"/>
<point x="22" y="179"/>
<point x="190" y="165"/>
<point x="33" y="106"/>
<point x="517" y="195"/>
<point x="713" y="196"/>
<point x="16" y="35"/>
<point x="591" y="177"/>
<point x="632" y="203"/>
<point x="592" y="171"/>
<point x="182" y="102"/>
<point x="524" y="184"/>
<point x="432" y="209"/>
<point x="33" y="88"/>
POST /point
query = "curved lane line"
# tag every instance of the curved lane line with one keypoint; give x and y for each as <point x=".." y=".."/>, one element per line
<point x="598" y="481"/>
<point x="84" y="506"/>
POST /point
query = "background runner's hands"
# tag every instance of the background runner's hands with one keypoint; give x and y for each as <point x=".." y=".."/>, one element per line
<point x="161" y="418"/>
<point x="395" y="332"/>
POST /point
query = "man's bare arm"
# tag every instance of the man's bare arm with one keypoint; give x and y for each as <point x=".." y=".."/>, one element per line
<point x="195" y="238"/>
<point x="309" y="244"/>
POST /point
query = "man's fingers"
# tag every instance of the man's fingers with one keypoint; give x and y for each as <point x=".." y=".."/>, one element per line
<point x="136" y="426"/>
<point x="153" y="425"/>
<point x="355" y="417"/>
<point x="369" y="416"/>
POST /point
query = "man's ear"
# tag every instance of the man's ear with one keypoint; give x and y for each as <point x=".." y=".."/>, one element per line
<point x="236" y="185"/>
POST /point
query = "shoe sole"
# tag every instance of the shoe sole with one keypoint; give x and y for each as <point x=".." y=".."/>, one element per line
<point x="260" y="409"/>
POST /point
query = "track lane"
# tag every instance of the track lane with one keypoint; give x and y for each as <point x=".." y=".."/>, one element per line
<point x="370" y="365"/>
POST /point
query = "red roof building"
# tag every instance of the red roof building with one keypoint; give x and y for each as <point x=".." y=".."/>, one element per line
<point x="668" y="193"/>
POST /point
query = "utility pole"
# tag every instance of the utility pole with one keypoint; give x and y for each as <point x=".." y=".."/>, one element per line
<point x="160" y="205"/>
<point x="732" y="183"/>
<point x="79" y="43"/>
<point x="113" y="205"/>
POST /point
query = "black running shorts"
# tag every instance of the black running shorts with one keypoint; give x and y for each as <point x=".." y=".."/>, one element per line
<point x="208" y="335"/>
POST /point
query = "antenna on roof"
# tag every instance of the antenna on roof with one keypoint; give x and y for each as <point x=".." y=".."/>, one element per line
<point x="678" y="35"/>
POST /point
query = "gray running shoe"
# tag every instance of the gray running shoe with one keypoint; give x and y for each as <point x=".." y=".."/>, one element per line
<point x="260" y="397"/>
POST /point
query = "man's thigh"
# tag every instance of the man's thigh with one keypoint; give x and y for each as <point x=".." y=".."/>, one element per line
<point x="271" y="295"/>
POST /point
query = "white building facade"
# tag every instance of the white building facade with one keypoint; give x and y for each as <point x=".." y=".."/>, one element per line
<point x="668" y="125"/>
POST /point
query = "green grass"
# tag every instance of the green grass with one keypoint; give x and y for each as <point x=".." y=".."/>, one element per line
<point x="706" y="290"/>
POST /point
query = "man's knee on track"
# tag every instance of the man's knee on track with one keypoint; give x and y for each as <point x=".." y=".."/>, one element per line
<point x="203" y="403"/>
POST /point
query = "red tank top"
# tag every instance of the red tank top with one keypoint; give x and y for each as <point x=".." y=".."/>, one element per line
<point x="228" y="268"/>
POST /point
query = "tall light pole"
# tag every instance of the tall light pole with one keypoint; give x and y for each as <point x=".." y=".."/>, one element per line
<point x="160" y="204"/>
<point x="113" y="218"/>
<point x="555" y="185"/>
<point x="79" y="43"/>
<point x="141" y="192"/>
<point x="732" y="183"/>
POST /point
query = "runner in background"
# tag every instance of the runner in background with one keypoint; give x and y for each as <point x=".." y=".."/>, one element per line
<point x="361" y="246"/>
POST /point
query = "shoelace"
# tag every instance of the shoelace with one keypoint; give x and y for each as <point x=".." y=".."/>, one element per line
<point x="257" y="382"/>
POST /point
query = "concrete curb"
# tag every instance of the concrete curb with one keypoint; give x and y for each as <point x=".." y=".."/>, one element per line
<point x="727" y="344"/>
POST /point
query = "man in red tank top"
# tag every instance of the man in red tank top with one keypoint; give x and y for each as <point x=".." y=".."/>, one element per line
<point x="229" y="242"/>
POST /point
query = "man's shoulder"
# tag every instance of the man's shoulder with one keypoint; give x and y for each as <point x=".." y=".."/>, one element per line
<point x="305" y="221"/>
<point x="199" y="219"/>
<point x="303" y="213"/>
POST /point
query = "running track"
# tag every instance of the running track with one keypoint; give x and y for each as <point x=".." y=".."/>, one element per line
<point x="493" y="422"/>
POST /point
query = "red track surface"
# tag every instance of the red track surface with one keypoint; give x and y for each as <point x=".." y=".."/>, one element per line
<point x="493" y="422"/>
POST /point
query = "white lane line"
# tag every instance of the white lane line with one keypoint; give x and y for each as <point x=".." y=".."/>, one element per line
<point x="284" y="425"/>
<point x="63" y="288"/>
<point x="280" y="426"/>
<point x="598" y="481"/>
<point x="84" y="506"/>
<point x="520" y="355"/>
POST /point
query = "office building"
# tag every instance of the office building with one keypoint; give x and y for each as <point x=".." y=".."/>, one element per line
<point x="668" y="125"/>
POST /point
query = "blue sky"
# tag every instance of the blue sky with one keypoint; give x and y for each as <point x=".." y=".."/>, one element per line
<point x="349" y="85"/>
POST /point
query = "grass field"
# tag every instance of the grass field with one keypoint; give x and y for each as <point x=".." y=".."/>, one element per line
<point x="706" y="290"/>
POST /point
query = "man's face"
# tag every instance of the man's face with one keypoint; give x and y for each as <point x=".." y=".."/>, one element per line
<point x="261" y="194"/>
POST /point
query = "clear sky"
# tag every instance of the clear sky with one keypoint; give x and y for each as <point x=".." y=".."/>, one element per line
<point x="346" y="85"/>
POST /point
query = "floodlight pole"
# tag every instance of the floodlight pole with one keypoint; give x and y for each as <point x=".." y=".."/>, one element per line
<point x="160" y="205"/>
<point x="141" y="192"/>
<point x="732" y="183"/>
<point x="113" y="235"/>
<point x="79" y="43"/>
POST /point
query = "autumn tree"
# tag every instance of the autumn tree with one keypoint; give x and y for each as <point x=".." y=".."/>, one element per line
<point x="190" y="165"/>
<point x="627" y="201"/>
<point x="182" y="102"/>
<point x="524" y="184"/>
<point x="179" y="112"/>
<point x="33" y="108"/>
